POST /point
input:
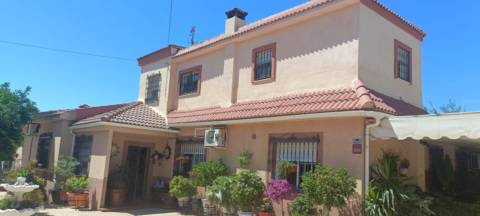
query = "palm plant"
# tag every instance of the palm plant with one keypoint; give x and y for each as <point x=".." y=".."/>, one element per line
<point x="389" y="195"/>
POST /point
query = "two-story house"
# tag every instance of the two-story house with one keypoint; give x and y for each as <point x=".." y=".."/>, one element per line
<point x="304" y="85"/>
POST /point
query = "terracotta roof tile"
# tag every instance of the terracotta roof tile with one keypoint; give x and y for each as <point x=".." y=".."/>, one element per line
<point x="136" y="113"/>
<point x="358" y="97"/>
<point x="309" y="5"/>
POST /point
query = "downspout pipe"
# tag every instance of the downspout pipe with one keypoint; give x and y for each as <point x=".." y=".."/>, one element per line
<point x="369" y="125"/>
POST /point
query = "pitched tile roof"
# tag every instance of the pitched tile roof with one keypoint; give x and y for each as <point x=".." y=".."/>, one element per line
<point x="297" y="10"/>
<point x="135" y="113"/>
<point x="83" y="113"/>
<point x="358" y="97"/>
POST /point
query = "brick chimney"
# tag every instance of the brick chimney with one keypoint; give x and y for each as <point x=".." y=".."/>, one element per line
<point x="235" y="20"/>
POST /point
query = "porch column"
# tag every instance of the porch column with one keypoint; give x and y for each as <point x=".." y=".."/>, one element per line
<point x="99" y="167"/>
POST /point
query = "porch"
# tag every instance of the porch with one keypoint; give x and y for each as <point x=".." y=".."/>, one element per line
<point x="147" y="155"/>
<point x="135" y="138"/>
<point x="448" y="154"/>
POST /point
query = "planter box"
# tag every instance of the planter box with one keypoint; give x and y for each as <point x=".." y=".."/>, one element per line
<point x="77" y="200"/>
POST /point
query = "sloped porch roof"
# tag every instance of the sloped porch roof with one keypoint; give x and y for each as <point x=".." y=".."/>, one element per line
<point x="460" y="129"/>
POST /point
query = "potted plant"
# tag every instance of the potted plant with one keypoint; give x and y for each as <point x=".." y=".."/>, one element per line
<point x="404" y="165"/>
<point x="77" y="191"/>
<point x="301" y="206"/>
<point x="204" y="174"/>
<point x="219" y="194"/>
<point x="183" y="189"/>
<point x="266" y="208"/>
<point x="278" y="191"/>
<point x="283" y="169"/>
<point x="64" y="170"/>
<point x="245" y="158"/>
<point x="117" y="183"/>
<point x="247" y="192"/>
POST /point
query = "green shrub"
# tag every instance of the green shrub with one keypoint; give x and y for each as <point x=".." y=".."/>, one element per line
<point x="301" y="206"/>
<point x="206" y="172"/>
<point x="220" y="193"/>
<point x="26" y="173"/>
<point x="6" y="203"/>
<point x="64" y="170"/>
<point x="245" y="158"/>
<point x="247" y="190"/>
<point x="118" y="179"/>
<point x="77" y="184"/>
<point x="443" y="206"/>
<point x="328" y="187"/>
<point x="181" y="187"/>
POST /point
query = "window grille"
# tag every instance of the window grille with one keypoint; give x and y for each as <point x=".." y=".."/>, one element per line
<point x="192" y="152"/>
<point x="403" y="64"/>
<point x="301" y="151"/>
<point x="263" y="64"/>
<point x="189" y="82"/>
<point x="153" y="89"/>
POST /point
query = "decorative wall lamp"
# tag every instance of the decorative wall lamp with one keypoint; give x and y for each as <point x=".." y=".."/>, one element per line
<point x="166" y="154"/>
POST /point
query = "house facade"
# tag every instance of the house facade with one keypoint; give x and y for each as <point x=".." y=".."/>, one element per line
<point x="304" y="85"/>
<point x="301" y="85"/>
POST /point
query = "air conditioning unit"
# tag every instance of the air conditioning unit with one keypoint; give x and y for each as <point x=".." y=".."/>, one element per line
<point x="33" y="129"/>
<point x="215" y="137"/>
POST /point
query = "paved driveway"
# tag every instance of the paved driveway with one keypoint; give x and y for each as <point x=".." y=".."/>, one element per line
<point x="73" y="212"/>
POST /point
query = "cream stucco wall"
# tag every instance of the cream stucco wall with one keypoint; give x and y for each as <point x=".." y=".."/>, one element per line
<point x="318" y="53"/>
<point x="376" y="58"/>
<point x="336" y="136"/>
<point x="163" y="68"/>
<point x="60" y="145"/>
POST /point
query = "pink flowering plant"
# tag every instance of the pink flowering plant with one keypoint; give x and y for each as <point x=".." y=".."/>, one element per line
<point x="279" y="189"/>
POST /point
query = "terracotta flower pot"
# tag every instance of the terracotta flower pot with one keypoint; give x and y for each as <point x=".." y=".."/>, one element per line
<point x="292" y="168"/>
<point x="265" y="213"/>
<point x="117" y="197"/>
<point x="77" y="200"/>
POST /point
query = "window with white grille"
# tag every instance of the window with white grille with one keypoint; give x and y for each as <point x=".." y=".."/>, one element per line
<point x="302" y="151"/>
<point x="191" y="152"/>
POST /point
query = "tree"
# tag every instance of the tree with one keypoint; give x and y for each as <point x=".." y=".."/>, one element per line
<point x="16" y="110"/>
<point x="328" y="187"/>
<point x="450" y="107"/>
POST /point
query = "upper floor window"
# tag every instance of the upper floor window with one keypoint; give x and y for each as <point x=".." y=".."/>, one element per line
<point x="264" y="63"/>
<point x="403" y="61"/>
<point x="190" y="81"/>
<point x="152" y="89"/>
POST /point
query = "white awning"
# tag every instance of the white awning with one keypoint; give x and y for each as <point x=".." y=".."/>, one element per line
<point x="458" y="127"/>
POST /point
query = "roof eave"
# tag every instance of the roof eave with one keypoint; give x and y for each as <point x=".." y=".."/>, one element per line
<point x="310" y="116"/>
<point x="113" y="124"/>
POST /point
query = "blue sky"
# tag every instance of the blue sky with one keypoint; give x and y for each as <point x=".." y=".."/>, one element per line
<point x="130" y="29"/>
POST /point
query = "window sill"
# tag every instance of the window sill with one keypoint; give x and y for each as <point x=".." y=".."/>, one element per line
<point x="263" y="81"/>
<point x="194" y="94"/>
<point x="405" y="81"/>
